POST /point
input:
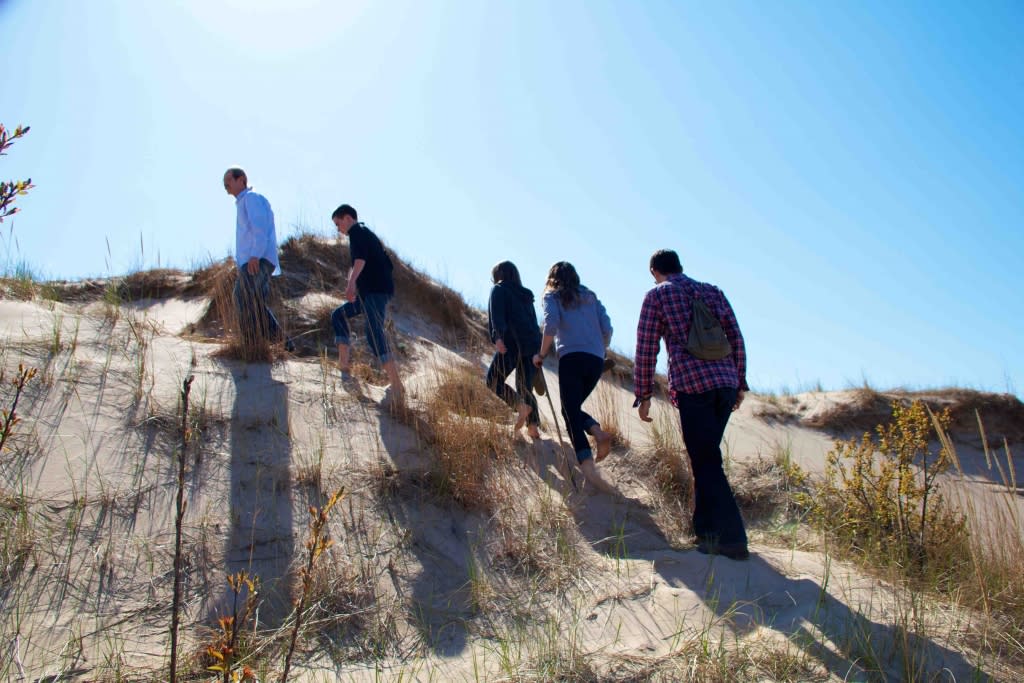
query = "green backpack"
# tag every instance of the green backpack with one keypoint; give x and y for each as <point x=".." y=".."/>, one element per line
<point x="707" y="340"/>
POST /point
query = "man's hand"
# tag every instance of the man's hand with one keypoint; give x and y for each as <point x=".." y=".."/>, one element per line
<point x="538" y="361"/>
<point x="739" y="399"/>
<point x="645" y="410"/>
<point x="350" y="292"/>
<point x="253" y="266"/>
<point x="500" y="347"/>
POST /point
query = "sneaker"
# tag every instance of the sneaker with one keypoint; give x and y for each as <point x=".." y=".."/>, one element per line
<point x="289" y="345"/>
<point x="348" y="379"/>
<point x="540" y="385"/>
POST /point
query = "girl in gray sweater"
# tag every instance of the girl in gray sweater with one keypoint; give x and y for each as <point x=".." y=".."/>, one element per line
<point x="577" y="325"/>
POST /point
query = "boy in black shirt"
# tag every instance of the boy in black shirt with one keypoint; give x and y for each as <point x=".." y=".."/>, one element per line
<point x="369" y="288"/>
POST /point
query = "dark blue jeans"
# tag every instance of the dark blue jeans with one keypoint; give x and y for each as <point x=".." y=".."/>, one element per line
<point x="703" y="416"/>
<point x="252" y="294"/>
<point x="501" y="367"/>
<point x="375" y="308"/>
<point x="578" y="374"/>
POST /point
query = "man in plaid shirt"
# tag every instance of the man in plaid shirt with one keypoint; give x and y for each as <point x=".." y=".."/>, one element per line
<point x="705" y="392"/>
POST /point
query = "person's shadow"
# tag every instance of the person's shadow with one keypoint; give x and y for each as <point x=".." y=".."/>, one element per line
<point x="440" y="537"/>
<point x="261" y="540"/>
<point x="744" y="596"/>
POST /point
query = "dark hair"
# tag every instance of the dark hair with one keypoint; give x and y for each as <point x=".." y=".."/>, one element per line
<point x="564" y="281"/>
<point x="506" y="271"/>
<point x="345" y="210"/>
<point x="236" y="173"/>
<point x="666" y="262"/>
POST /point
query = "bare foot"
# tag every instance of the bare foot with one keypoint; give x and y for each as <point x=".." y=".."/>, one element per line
<point x="524" y="412"/>
<point x="604" y="444"/>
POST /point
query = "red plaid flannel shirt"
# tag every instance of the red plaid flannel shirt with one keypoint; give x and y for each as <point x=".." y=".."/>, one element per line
<point x="666" y="315"/>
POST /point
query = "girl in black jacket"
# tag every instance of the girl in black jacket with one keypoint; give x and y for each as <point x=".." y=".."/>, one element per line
<point x="516" y="338"/>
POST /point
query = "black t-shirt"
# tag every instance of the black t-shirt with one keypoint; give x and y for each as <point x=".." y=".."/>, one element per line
<point x="376" y="276"/>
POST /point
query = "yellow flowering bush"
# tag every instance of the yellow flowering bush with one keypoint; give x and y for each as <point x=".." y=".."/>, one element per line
<point x="881" y="494"/>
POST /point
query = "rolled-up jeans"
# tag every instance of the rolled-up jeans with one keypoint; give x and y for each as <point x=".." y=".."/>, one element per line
<point x="375" y="307"/>
<point x="252" y="294"/>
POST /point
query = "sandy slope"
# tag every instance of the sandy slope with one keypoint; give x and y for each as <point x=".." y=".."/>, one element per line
<point x="95" y="456"/>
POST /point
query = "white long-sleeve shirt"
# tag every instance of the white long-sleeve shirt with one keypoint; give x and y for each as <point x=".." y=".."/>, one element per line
<point x="254" y="229"/>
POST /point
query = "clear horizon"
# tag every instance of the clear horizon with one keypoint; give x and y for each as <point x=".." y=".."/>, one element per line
<point x="850" y="174"/>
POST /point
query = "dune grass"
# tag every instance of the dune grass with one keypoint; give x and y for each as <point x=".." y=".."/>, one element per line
<point x="105" y="565"/>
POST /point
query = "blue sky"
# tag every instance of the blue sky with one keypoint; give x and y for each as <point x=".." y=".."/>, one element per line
<point x="850" y="173"/>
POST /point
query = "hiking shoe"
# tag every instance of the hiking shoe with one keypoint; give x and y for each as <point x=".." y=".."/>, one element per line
<point x="348" y="380"/>
<point x="734" y="551"/>
<point x="737" y="552"/>
<point x="289" y="345"/>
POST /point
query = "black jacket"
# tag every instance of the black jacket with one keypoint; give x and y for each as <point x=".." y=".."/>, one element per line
<point x="513" y="319"/>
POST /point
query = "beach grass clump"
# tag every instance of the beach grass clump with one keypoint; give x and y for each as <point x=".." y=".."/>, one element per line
<point x="768" y="488"/>
<point x="665" y="469"/>
<point x="612" y="413"/>
<point x="471" y="436"/>
<point x="539" y="541"/>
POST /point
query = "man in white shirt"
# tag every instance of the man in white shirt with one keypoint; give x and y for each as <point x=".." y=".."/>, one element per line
<point x="256" y="256"/>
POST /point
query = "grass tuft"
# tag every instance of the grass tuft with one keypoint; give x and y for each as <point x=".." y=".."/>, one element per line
<point x="470" y="434"/>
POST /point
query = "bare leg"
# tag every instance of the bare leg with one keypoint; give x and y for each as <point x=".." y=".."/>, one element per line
<point x="604" y="442"/>
<point x="343" y="358"/>
<point x="593" y="476"/>
<point x="524" y="412"/>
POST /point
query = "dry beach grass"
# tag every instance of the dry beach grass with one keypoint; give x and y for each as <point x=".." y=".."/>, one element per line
<point x="447" y="557"/>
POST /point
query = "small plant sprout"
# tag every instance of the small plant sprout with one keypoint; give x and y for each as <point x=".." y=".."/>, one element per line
<point x="10" y="416"/>
<point x="224" y="649"/>
<point x="186" y="390"/>
<point x="9" y="190"/>
<point x="315" y="547"/>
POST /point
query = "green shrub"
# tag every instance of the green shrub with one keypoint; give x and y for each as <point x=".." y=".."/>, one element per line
<point x="881" y="499"/>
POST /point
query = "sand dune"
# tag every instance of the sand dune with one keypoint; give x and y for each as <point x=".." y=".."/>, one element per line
<point x="430" y="590"/>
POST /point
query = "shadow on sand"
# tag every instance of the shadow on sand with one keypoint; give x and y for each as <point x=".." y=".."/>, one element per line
<point x="748" y="595"/>
<point x="262" y="538"/>
<point x="439" y="537"/>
